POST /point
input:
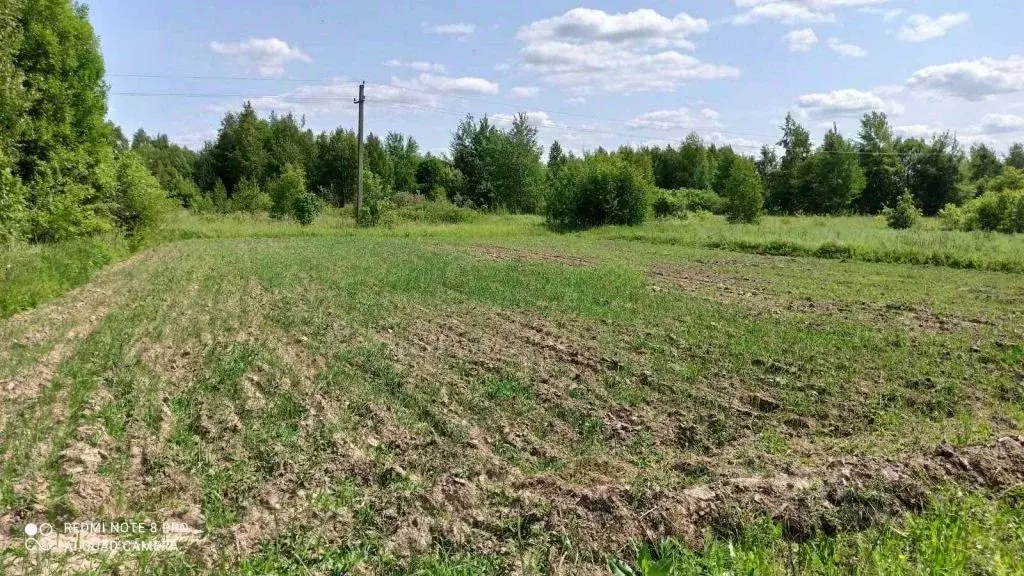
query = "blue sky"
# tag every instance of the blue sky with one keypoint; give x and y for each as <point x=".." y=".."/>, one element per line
<point x="596" y="73"/>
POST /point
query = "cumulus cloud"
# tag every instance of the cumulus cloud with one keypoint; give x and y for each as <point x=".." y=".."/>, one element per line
<point x="801" y="40"/>
<point x="887" y="14"/>
<point x="1002" y="123"/>
<point x="849" y="50"/>
<point x="643" y="26"/>
<point x="268" y="56"/>
<point x="418" y="65"/>
<point x="921" y="27"/>
<point x="918" y="130"/>
<point x="972" y="80"/>
<point x="636" y="51"/>
<point x="795" y="12"/>
<point x="443" y="84"/>
<point x="524" y="91"/>
<point x="846" y="103"/>
<point x="461" y="29"/>
<point x="536" y="119"/>
<point x="678" y="119"/>
<point x="335" y="97"/>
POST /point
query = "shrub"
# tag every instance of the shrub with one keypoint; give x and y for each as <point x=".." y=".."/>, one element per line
<point x="402" y="199"/>
<point x="249" y="198"/>
<point x="377" y="201"/>
<point x="306" y="208"/>
<point x="953" y="217"/>
<point x="65" y="209"/>
<point x="436" y="213"/>
<point x="598" y="190"/>
<point x="140" y="202"/>
<point x="676" y="202"/>
<point x="741" y="188"/>
<point x="286" y="190"/>
<point x="13" y="213"/>
<point x="904" y="215"/>
<point x="997" y="211"/>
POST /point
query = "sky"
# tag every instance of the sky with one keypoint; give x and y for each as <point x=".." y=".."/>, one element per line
<point x="587" y="74"/>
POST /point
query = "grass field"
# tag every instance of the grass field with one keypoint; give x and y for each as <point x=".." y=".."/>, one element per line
<point x="494" y="398"/>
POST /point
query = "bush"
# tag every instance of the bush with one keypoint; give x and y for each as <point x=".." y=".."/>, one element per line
<point x="65" y="209"/>
<point x="13" y="214"/>
<point x="249" y="198"/>
<point x="140" y="202"/>
<point x="741" y="187"/>
<point x="676" y="202"/>
<point x="953" y="217"/>
<point x="377" y="201"/>
<point x="306" y="208"/>
<point x="598" y="190"/>
<point x="286" y="190"/>
<point x="402" y="199"/>
<point x="904" y="215"/>
<point x="999" y="210"/>
<point x="436" y="213"/>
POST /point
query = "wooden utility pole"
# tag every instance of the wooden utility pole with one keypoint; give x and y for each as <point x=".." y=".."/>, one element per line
<point x="359" y="193"/>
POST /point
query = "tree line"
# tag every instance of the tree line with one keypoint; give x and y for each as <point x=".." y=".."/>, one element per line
<point x="65" y="171"/>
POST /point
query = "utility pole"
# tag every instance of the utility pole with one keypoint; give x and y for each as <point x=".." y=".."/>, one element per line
<point x="359" y="193"/>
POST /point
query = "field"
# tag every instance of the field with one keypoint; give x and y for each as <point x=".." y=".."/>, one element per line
<point x="491" y="398"/>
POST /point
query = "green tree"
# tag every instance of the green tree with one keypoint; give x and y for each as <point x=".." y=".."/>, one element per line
<point x="473" y="148"/>
<point x="286" y="190"/>
<point x="833" y="178"/>
<point x="378" y="161"/>
<point x="984" y="164"/>
<point x="336" y="167"/>
<point x="437" y="179"/>
<point x="249" y="198"/>
<point x="767" y="164"/>
<point x="404" y="154"/>
<point x="933" y="171"/>
<point x="172" y="165"/>
<point x="238" y="152"/>
<point x="694" y="167"/>
<point x="140" y="201"/>
<point x="556" y="158"/>
<point x="883" y="171"/>
<point x="903" y="214"/>
<point x="1015" y="157"/>
<point x="785" y="188"/>
<point x="600" y="189"/>
<point x="742" y="191"/>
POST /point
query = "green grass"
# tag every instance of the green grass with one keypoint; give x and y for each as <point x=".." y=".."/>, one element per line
<point x="454" y="399"/>
<point x="960" y="534"/>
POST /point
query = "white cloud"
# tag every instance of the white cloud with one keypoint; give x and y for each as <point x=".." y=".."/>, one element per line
<point x="632" y="52"/>
<point x="524" y="91"/>
<point x="642" y="26"/>
<point x="434" y="83"/>
<point x="576" y="100"/>
<point x="335" y="97"/>
<point x="536" y="119"/>
<point x="849" y="50"/>
<point x="972" y="80"/>
<point x="801" y="40"/>
<point x="418" y="65"/>
<point x="846" y="103"/>
<point x="678" y="119"/>
<point x="918" y="130"/>
<point x="887" y="14"/>
<point x="1002" y="123"/>
<point x="457" y="29"/>
<point x="921" y="27"/>
<point x="266" y="55"/>
<point x="795" y="12"/>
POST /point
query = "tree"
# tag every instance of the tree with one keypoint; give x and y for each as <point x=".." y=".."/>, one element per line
<point x="742" y="190"/>
<point x="437" y="179"/>
<point x="556" y="158"/>
<point x="694" y="168"/>
<point x="405" y="158"/>
<point x="514" y="171"/>
<point x="172" y="165"/>
<point x="238" y="152"/>
<point x="600" y="189"/>
<point x="984" y="163"/>
<point x="832" y="178"/>
<point x="784" y="189"/>
<point x="903" y="214"/>
<point x="473" y="148"/>
<point x="378" y="161"/>
<point x="767" y="164"/>
<point x="724" y="159"/>
<point x="1015" y="157"/>
<point x="883" y="171"/>
<point x="933" y="171"/>
<point x="336" y="166"/>
<point x="284" y="192"/>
